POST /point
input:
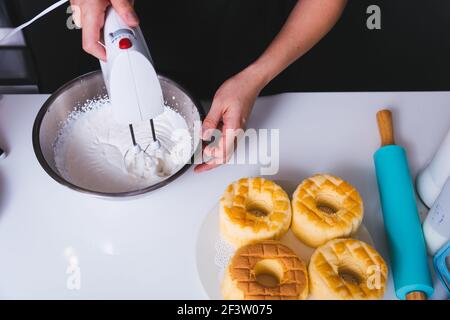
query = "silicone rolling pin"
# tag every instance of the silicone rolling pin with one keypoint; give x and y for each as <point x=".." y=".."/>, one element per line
<point x="431" y="179"/>
<point x="409" y="262"/>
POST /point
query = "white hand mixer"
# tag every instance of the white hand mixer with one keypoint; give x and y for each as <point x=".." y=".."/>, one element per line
<point x="132" y="85"/>
<point x="131" y="81"/>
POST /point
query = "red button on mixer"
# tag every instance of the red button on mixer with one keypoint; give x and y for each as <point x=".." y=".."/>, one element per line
<point x="125" y="43"/>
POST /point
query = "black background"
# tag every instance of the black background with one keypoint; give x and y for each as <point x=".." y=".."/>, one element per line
<point x="200" y="43"/>
<point x="337" y="310"/>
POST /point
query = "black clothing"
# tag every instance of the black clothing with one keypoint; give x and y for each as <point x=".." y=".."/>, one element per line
<point x="200" y="43"/>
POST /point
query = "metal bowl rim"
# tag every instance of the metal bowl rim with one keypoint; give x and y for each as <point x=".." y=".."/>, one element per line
<point x="40" y="157"/>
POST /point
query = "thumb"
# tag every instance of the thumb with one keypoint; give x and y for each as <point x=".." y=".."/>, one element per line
<point x="126" y="11"/>
<point x="211" y="121"/>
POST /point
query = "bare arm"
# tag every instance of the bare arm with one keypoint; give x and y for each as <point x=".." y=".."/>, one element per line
<point x="308" y="22"/>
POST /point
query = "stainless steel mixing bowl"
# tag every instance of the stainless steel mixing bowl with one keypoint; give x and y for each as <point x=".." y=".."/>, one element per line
<point x="72" y="95"/>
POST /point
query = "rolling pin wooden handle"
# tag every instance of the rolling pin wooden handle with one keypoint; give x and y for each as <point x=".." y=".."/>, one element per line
<point x="416" y="295"/>
<point x="386" y="128"/>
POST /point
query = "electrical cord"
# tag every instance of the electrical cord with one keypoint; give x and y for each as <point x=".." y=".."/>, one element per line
<point x="40" y="15"/>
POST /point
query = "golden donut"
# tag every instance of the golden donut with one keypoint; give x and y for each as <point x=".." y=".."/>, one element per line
<point x="325" y="207"/>
<point x="254" y="209"/>
<point x="251" y="263"/>
<point x="347" y="269"/>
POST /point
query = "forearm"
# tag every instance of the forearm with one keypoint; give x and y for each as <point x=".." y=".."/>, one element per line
<point x="308" y="22"/>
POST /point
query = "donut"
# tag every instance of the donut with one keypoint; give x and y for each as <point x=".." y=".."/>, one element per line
<point x="243" y="279"/>
<point x="347" y="269"/>
<point x="325" y="207"/>
<point x="254" y="209"/>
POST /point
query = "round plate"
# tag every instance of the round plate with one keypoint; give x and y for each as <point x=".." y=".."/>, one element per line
<point x="213" y="253"/>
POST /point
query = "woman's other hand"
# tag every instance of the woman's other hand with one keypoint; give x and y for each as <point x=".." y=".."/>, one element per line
<point x="230" y="109"/>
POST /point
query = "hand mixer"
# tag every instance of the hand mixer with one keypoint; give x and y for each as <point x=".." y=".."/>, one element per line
<point x="130" y="78"/>
<point x="132" y="84"/>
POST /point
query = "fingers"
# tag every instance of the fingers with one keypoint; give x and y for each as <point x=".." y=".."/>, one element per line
<point x="212" y="120"/>
<point x="126" y="11"/>
<point x="92" y="20"/>
<point x="76" y="16"/>
<point x="76" y="12"/>
<point x="219" y="154"/>
<point x="216" y="155"/>
<point x="205" y="167"/>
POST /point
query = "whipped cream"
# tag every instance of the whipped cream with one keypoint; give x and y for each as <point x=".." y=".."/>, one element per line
<point x="95" y="152"/>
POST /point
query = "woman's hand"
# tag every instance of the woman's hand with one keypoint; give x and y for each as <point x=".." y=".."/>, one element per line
<point x="90" y="16"/>
<point x="231" y="107"/>
<point x="308" y="22"/>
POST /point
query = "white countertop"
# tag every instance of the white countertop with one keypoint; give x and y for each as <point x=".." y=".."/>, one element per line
<point x="145" y="248"/>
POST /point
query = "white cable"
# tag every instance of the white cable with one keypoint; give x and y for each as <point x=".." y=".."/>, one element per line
<point x="40" y="15"/>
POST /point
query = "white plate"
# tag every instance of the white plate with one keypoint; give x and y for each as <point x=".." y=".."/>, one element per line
<point x="213" y="253"/>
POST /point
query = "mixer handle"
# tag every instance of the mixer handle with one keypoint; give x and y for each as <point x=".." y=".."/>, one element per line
<point x="385" y="127"/>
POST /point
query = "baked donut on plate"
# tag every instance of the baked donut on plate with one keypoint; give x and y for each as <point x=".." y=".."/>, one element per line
<point x="347" y="269"/>
<point x="252" y="266"/>
<point x="254" y="209"/>
<point x="325" y="207"/>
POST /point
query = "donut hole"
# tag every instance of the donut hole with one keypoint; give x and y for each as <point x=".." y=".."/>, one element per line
<point x="268" y="273"/>
<point x="258" y="208"/>
<point x="327" y="203"/>
<point x="349" y="275"/>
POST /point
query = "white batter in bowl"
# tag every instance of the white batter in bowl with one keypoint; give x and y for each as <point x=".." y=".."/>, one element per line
<point x="75" y="143"/>
<point x="91" y="145"/>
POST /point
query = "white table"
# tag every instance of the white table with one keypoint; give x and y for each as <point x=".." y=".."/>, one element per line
<point x="145" y="248"/>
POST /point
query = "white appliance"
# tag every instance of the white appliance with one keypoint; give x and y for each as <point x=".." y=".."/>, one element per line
<point x="431" y="179"/>
<point x="130" y="78"/>
<point x="436" y="227"/>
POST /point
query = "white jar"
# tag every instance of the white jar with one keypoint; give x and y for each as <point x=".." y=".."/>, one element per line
<point x="436" y="227"/>
<point x="431" y="179"/>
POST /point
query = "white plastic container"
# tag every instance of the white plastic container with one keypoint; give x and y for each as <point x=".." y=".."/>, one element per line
<point x="431" y="179"/>
<point x="436" y="227"/>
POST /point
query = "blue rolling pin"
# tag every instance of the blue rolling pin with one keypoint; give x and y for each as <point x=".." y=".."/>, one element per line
<point x="409" y="261"/>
